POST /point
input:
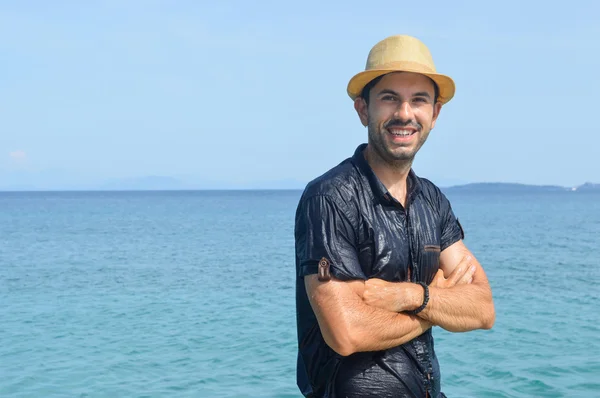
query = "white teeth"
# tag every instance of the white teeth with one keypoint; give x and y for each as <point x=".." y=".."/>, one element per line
<point x="401" y="133"/>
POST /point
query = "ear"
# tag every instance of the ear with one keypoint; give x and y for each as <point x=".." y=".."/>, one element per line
<point x="361" y="108"/>
<point x="436" y="112"/>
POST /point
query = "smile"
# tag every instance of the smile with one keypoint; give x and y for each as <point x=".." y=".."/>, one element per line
<point x="402" y="132"/>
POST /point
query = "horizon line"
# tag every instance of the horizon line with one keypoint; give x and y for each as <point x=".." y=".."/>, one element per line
<point x="189" y="189"/>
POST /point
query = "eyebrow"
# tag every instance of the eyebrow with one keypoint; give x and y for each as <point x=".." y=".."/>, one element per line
<point x="422" y="94"/>
<point x="388" y="91"/>
<point x="419" y="94"/>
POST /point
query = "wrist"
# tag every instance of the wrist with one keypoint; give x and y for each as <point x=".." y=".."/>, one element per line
<point x="420" y="299"/>
<point x="407" y="296"/>
<point x="418" y="295"/>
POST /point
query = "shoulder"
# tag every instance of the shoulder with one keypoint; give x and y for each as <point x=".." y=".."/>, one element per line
<point x="429" y="189"/>
<point x="432" y="194"/>
<point x="338" y="185"/>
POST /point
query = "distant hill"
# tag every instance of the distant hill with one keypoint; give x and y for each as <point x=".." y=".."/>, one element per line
<point x="588" y="186"/>
<point x="505" y="187"/>
<point x="496" y="187"/>
<point x="61" y="181"/>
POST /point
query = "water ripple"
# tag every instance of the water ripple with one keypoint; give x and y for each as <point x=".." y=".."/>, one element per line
<point x="192" y="294"/>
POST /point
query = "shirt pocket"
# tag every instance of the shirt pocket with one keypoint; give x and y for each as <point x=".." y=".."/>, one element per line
<point x="431" y="261"/>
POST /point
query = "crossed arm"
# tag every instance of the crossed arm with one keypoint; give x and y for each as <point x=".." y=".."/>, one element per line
<point x="360" y="316"/>
<point x="350" y="325"/>
<point x="463" y="306"/>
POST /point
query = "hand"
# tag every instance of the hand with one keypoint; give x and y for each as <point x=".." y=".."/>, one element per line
<point x="462" y="274"/>
<point x="392" y="296"/>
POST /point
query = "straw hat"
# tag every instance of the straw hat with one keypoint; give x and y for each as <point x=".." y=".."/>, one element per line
<point x="400" y="53"/>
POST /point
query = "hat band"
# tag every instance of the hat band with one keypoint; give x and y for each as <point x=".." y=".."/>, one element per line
<point x="402" y="65"/>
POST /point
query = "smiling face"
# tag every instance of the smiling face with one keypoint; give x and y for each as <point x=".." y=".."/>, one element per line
<point x="400" y="114"/>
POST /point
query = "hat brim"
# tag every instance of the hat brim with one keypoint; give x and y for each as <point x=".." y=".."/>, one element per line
<point x="360" y="80"/>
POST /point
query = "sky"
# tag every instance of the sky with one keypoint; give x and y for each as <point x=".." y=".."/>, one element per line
<point x="241" y="92"/>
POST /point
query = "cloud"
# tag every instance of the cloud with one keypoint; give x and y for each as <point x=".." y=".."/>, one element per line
<point x="17" y="156"/>
<point x="17" y="160"/>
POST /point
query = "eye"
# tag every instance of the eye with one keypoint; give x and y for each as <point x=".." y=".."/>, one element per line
<point x="388" y="97"/>
<point x="421" y="100"/>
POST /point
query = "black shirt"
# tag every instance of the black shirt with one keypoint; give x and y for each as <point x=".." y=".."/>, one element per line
<point x="348" y="217"/>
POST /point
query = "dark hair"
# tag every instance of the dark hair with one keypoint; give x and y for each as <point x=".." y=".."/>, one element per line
<point x="366" y="91"/>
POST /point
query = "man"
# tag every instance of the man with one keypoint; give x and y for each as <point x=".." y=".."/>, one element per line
<point x="379" y="253"/>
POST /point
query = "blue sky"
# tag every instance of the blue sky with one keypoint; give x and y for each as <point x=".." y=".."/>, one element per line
<point x="240" y="92"/>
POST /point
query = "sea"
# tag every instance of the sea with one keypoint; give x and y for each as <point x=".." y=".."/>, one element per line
<point x="191" y="294"/>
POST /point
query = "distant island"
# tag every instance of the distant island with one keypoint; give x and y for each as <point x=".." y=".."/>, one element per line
<point x="513" y="187"/>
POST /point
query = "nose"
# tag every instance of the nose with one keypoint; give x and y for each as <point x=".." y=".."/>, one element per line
<point x="404" y="111"/>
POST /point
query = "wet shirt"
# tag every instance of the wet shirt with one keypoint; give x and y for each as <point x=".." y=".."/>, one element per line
<point x="348" y="217"/>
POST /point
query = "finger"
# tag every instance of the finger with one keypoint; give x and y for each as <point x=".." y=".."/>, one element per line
<point x="373" y="282"/>
<point x="468" y="276"/>
<point x="461" y="268"/>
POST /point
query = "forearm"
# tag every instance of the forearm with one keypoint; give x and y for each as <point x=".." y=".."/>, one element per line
<point x="460" y="308"/>
<point x="348" y="325"/>
<point x="375" y="329"/>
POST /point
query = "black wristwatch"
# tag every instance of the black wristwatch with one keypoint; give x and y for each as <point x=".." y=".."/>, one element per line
<point x="425" y="300"/>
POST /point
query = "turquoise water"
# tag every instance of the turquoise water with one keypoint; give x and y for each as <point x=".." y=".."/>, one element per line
<point x="190" y="294"/>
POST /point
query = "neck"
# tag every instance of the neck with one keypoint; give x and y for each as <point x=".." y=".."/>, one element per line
<point x="392" y="175"/>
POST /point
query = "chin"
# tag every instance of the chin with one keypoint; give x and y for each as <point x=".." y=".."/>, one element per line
<point x="401" y="155"/>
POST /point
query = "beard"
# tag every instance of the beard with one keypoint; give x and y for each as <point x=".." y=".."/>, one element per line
<point x="398" y="157"/>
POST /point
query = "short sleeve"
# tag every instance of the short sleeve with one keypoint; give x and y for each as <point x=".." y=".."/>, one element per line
<point x="323" y="230"/>
<point x="452" y="231"/>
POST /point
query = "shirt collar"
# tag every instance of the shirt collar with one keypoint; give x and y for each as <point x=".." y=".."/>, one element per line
<point x="378" y="191"/>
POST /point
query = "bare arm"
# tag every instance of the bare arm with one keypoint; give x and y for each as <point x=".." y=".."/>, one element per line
<point x="460" y="297"/>
<point x="462" y="307"/>
<point x="349" y="325"/>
